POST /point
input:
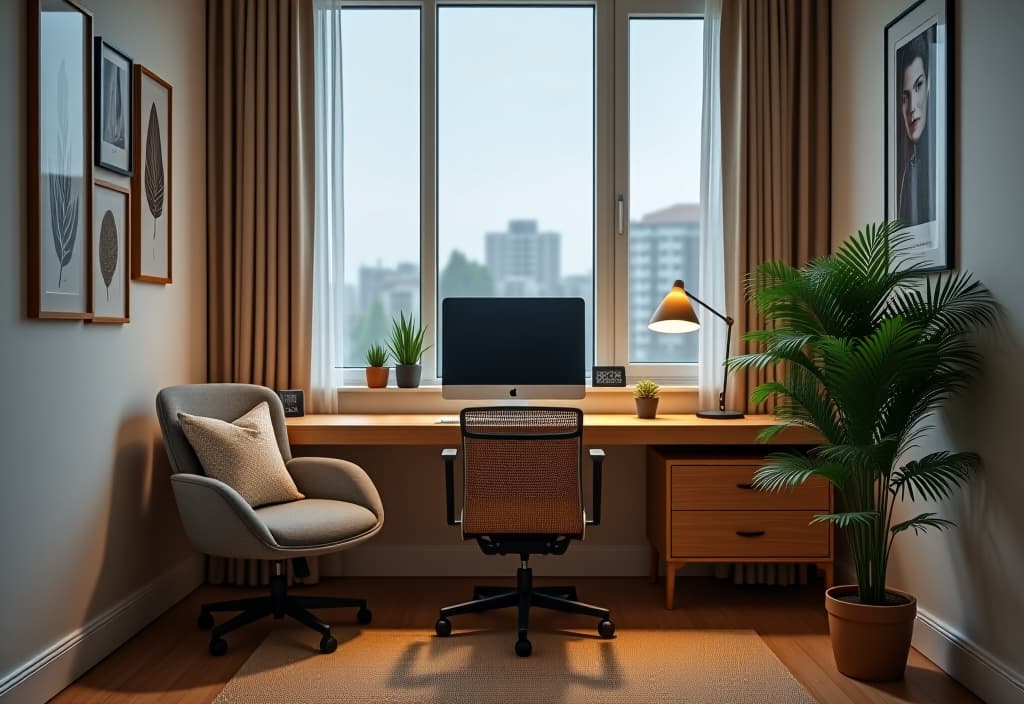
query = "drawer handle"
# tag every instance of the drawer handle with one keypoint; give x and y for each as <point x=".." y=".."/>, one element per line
<point x="745" y="486"/>
<point x="750" y="533"/>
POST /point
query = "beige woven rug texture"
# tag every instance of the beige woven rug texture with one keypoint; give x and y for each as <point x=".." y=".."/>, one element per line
<point x="479" y="667"/>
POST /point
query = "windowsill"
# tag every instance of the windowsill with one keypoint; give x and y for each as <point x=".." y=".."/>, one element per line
<point x="427" y="399"/>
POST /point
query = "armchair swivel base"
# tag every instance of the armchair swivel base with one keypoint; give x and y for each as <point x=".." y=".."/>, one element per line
<point x="279" y="604"/>
<point x="524" y="596"/>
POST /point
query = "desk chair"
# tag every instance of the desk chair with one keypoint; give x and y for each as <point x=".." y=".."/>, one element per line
<point x="342" y="508"/>
<point x="522" y="494"/>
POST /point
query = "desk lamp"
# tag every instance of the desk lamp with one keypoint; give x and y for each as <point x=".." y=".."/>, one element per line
<point x="674" y="315"/>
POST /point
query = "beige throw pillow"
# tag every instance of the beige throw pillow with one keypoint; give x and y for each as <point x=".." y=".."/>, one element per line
<point x="243" y="454"/>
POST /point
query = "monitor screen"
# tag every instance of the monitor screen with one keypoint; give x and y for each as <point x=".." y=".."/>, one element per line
<point x="513" y="348"/>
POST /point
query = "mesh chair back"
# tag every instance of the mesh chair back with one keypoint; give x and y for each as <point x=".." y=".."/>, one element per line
<point x="522" y="471"/>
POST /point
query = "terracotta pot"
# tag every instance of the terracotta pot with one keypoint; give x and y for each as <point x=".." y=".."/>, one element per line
<point x="870" y="642"/>
<point x="376" y="377"/>
<point x="408" y="375"/>
<point x="646" y="407"/>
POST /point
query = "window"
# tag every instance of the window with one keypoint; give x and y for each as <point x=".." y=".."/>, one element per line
<point x="541" y="149"/>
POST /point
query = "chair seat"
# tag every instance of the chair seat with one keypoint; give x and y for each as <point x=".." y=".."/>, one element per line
<point x="311" y="522"/>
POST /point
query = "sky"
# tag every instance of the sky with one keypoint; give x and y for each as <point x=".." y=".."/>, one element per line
<point x="515" y="126"/>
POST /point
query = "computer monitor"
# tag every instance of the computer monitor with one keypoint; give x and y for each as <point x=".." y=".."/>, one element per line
<point x="513" y="348"/>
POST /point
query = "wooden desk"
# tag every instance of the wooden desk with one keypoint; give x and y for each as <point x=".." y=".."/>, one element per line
<point x="703" y="530"/>
<point x="600" y="429"/>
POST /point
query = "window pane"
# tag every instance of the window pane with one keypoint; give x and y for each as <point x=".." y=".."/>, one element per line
<point x="665" y="89"/>
<point x="381" y="112"/>
<point x="516" y="153"/>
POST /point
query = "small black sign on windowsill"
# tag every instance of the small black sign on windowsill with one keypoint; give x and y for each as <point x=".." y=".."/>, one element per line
<point x="608" y="376"/>
<point x="294" y="402"/>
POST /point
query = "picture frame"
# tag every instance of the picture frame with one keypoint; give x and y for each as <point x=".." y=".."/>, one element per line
<point x="151" y="179"/>
<point x="110" y="248"/>
<point x="919" y="130"/>
<point x="59" y="159"/>
<point x="294" y="402"/>
<point x="113" y="108"/>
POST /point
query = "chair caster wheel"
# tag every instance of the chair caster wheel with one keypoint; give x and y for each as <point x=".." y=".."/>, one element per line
<point x="606" y="629"/>
<point x="218" y="646"/>
<point x="328" y="644"/>
<point x="523" y="648"/>
<point x="364" y="616"/>
<point x="443" y="627"/>
<point x="205" y="620"/>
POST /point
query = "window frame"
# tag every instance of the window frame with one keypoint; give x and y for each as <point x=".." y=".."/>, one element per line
<point x="611" y="175"/>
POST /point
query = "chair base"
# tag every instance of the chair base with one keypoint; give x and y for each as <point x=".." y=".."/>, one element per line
<point x="278" y="604"/>
<point x="524" y="596"/>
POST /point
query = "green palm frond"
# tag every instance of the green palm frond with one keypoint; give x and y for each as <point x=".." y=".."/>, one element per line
<point x="933" y="477"/>
<point x="921" y="524"/>
<point x="788" y="470"/>
<point x="847" y="519"/>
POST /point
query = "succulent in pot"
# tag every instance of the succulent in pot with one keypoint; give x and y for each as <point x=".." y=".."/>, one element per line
<point x="376" y="369"/>
<point x="646" y="395"/>
<point x="406" y="346"/>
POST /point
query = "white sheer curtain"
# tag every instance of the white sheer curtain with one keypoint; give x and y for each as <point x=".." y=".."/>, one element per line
<point x="712" y="236"/>
<point x="329" y="221"/>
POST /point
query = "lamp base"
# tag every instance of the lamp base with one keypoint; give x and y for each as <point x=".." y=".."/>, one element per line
<point x="720" y="415"/>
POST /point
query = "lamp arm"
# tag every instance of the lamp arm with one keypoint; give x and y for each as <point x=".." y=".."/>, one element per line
<point x="728" y="339"/>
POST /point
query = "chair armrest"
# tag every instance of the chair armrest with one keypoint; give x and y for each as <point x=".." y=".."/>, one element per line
<point x="597" y="459"/>
<point x="217" y="520"/>
<point x="340" y="480"/>
<point x="448" y="455"/>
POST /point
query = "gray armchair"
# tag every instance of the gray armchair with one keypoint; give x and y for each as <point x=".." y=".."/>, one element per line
<point x="342" y="508"/>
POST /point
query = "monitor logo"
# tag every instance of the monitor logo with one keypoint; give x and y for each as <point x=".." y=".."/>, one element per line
<point x="512" y="392"/>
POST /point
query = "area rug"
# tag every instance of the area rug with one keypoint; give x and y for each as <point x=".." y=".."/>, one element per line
<point x="479" y="667"/>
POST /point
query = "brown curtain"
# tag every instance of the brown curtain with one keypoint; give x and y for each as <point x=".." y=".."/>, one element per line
<point x="260" y="190"/>
<point x="776" y="146"/>
<point x="260" y="169"/>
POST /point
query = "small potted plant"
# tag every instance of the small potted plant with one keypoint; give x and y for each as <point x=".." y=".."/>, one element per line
<point x="646" y="395"/>
<point x="406" y="346"/>
<point x="376" y="369"/>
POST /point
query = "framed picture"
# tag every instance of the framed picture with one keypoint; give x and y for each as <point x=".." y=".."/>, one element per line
<point x="59" y="159"/>
<point x="919" y="129"/>
<point x="113" y="132"/>
<point x="151" y="179"/>
<point x="110" y="276"/>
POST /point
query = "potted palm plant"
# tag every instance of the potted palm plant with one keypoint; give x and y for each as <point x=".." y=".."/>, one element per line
<point x="646" y="395"/>
<point x="870" y="347"/>
<point x="376" y="369"/>
<point x="406" y="346"/>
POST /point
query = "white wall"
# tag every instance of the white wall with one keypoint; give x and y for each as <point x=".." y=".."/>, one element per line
<point x="87" y="520"/>
<point x="968" y="581"/>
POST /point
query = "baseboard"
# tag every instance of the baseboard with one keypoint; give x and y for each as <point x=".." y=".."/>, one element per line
<point x="466" y="560"/>
<point x="973" y="666"/>
<point x="62" y="663"/>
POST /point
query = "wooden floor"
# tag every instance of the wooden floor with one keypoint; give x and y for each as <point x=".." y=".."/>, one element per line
<point x="168" y="661"/>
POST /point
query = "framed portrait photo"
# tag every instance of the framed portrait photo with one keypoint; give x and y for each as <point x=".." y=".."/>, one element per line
<point x="110" y="275"/>
<point x="113" y="123"/>
<point x="151" y="179"/>
<point x="59" y="159"/>
<point x="919" y="130"/>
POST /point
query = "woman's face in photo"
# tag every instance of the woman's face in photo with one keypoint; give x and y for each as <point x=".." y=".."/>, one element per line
<point x="914" y="100"/>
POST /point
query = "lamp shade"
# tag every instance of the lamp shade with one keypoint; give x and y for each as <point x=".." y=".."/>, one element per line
<point x="675" y="314"/>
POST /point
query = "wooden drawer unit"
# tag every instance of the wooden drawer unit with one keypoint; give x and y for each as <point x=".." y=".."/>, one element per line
<point x="704" y="509"/>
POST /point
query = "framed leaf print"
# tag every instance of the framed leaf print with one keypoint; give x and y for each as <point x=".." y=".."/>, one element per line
<point x="59" y="159"/>
<point x="110" y="276"/>
<point x="113" y="132"/>
<point x="151" y="179"/>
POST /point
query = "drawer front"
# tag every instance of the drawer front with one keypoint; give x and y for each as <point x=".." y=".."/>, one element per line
<point x="748" y="534"/>
<point x="726" y="488"/>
